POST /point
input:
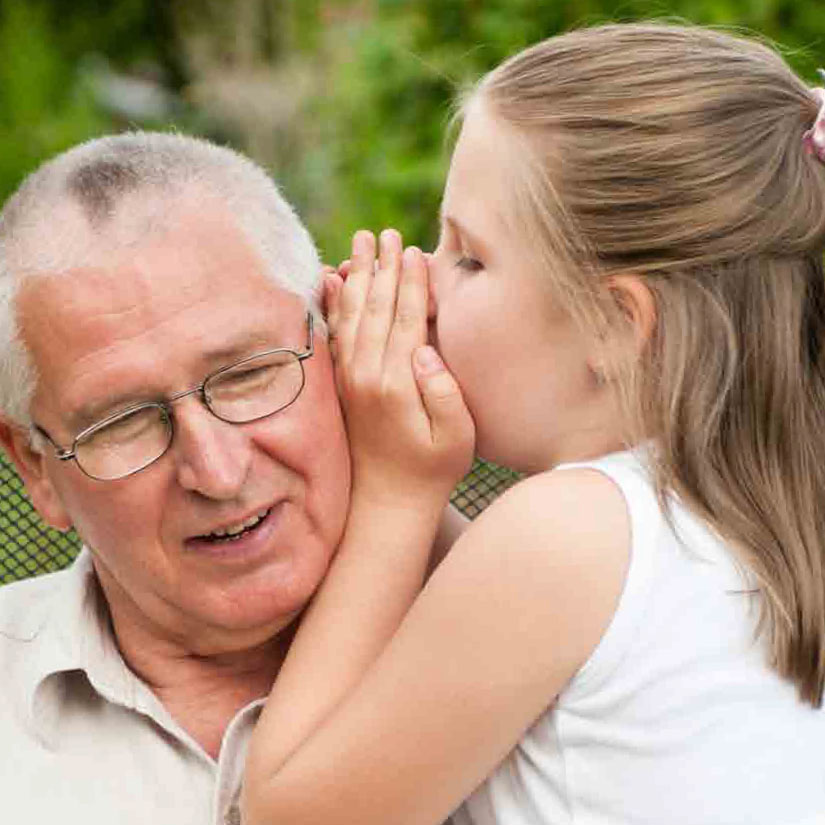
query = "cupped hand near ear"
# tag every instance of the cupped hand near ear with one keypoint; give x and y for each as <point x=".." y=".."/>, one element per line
<point x="410" y="431"/>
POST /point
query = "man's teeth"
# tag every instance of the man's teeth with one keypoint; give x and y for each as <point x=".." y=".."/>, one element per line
<point x="236" y="529"/>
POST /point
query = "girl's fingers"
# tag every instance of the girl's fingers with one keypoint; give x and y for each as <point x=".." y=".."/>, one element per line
<point x="355" y="292"/>
<point x="332" y="286"/>
<point x="379" y="308"/>
<point x="409" y="329"/>
<point x="451" y="424"/>
<point x="389" y="249"/>
<point x="321" y="290"/>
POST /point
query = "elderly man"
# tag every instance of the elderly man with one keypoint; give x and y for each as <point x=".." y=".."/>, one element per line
<point x="166" y="389"/>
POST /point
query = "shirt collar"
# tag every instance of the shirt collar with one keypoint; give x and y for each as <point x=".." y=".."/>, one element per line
<point x="72" y="631"/>
<point x="74" y="634"/>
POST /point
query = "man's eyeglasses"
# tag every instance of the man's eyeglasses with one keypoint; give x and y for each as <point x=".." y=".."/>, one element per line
<point x="250" y="389"/>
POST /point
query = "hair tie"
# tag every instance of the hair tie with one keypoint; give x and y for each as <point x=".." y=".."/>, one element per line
<point x="814" y="139"/>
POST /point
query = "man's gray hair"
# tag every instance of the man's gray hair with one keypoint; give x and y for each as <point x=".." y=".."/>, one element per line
<point x="102" y="197"/>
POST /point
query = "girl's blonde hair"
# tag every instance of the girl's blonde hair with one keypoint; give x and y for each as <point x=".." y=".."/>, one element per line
<point x="675" y="153"/>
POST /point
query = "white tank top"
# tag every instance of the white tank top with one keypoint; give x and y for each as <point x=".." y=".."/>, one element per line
<point x="675" y="719"/>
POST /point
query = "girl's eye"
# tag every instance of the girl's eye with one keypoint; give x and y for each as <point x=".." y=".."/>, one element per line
<point x="469" y="264"/>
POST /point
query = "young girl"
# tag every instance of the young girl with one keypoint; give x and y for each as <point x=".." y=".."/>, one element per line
<point x="629" y="291"/>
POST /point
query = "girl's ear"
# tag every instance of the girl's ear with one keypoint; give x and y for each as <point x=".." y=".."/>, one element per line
<point x="31" y="466"/>
<point x="635" y="300"/>
<point x="637" y="306"/>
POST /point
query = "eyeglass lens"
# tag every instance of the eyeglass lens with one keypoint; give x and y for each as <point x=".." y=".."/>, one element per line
<point x="252" y="389"/>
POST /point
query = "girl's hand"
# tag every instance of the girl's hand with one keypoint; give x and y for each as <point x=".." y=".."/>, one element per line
<point x="409" y="429"/>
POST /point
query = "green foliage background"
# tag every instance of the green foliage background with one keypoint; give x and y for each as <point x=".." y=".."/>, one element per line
<point x="345" y="101"/>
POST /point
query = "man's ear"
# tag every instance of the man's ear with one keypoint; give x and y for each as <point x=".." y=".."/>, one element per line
<point x="31" y="466"/>
<point x="637" y="307"/>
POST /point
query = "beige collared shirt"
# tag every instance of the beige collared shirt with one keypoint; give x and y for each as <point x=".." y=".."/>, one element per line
<point x="82" y="738"/>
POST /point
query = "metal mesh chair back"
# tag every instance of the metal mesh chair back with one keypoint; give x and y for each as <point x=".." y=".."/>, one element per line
<point x="29" y="547"/>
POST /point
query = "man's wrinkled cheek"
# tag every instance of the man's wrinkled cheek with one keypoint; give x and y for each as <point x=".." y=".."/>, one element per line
<point x="334" y="482"/>
<point x="105" y="512"/>
<point x="335" y="473"/>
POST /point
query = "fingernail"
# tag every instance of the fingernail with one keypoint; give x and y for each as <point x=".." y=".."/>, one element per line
<point x="428" y="360"/>
<point x="388" y="235"/>
<point x="411" y="255"/>
<point x="362" y="242"/>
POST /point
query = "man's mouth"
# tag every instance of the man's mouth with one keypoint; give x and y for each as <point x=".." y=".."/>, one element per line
<point x="235" y="531"/>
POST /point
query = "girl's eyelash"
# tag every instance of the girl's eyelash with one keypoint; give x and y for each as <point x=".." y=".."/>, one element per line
<point x="470" y="264"/>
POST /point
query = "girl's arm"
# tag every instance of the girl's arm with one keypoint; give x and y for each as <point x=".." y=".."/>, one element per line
<point x="501" y="626"/>
<point x="452" y="524"/>
<point x="410" y="443"/>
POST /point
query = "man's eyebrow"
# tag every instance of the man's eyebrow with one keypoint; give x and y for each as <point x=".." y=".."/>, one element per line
<point x="214" y="359"/>
<point x="94" y="412"/>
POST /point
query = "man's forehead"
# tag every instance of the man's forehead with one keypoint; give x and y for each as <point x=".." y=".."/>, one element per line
<point x="157" y="268"/>
<point x="82" y="293"/>
<point x="97" y="305"/>
<point x="185" y="303"/>
<point x="128" y="301"/>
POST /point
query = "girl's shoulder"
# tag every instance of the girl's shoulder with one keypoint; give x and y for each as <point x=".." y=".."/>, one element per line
<point x="559" y="538"/>
<point x="583" y="508"/>
<point x="538" y="577"/>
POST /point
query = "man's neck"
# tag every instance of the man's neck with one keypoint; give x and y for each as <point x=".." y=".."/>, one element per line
<point x="201" y="689"/>
<point x="204" y="693"/>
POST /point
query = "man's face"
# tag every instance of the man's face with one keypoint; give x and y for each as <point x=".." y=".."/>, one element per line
<point x="156" y="322"/>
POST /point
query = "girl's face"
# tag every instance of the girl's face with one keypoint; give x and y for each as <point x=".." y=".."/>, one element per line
<point x="524" y="366"/>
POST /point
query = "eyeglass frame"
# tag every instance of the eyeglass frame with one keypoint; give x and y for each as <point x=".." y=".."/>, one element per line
<point x="70" y="453"/>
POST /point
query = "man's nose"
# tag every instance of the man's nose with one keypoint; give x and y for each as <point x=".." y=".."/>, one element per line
<point x="213" y="457"/>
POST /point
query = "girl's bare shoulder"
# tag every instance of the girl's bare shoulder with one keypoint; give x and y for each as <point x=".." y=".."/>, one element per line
<point x="561" y="513"/>
<point x="557" y="546"/>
